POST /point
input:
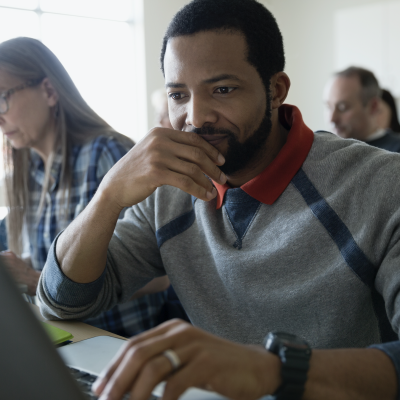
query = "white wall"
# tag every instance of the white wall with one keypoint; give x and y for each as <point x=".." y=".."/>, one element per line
<point x="377" y="48"/>
<point x="157" y="15"/>
<point x="308" y="28"/>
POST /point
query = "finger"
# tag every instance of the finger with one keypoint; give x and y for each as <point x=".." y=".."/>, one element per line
<point x="134" y="360"/>
<point x="198" y="157"/>
<point x="193" y="139"/>
<point x="198" y="369"/>
<point x="143" y="338"/>
<point x="193" y="171"/>
<point x="187" y="184"/>
<point x="7" y="253"/>
<point x="166" y="150"/>
<point x="157" y="370"/>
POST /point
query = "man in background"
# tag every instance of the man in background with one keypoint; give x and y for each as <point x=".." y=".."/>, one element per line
<point x="352" y="98"/>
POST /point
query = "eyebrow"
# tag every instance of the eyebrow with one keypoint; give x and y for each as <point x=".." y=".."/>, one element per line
<point x="214" y="79"/>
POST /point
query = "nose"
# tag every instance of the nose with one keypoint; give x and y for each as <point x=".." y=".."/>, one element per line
<point x="200" y="111"/>
<point x="334" y="115"/>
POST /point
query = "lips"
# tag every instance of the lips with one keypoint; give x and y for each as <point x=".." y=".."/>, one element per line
<point x="10" y="133"/>
<point x="214" y="139"/>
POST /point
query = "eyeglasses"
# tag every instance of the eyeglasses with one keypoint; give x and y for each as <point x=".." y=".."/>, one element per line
<point x="4" y="96"/>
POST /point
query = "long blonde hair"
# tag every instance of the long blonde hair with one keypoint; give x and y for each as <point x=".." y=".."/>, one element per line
<point x="76" y="123"/>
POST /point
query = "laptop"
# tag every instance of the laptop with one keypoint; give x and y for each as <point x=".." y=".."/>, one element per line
<point x="32" y="368"/>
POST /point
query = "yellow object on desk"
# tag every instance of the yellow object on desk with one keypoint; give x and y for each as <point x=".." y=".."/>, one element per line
<point x="57" y="335"/>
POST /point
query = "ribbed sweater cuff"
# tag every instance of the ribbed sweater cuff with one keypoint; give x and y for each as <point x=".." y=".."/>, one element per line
<point x="392" y="350"/>
<point x="63" y="290"/>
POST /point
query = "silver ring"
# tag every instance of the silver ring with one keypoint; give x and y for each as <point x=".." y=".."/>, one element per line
<point x="173" y="359"/>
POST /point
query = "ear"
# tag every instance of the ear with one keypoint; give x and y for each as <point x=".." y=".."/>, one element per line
<point x="280" y="84"/>
<point x="50" y="94"/>
<point x="373" y="106"/>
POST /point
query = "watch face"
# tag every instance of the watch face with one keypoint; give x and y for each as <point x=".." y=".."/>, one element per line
<point x="289" y="340"/>
<point x="274" y="340"/>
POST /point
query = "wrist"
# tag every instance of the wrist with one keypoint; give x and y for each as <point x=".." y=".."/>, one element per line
<point x="294" y="353"/>
<point x="32" y="280"/>
<point x="275" y="375"/>
<point x="105" y="199"/>
<point x="268" y="372"/>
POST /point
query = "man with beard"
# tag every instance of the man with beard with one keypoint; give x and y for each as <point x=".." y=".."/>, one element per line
<point x="260" y="224"/>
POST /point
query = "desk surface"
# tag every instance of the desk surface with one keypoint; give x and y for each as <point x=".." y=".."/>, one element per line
<point x="79" y="330"/>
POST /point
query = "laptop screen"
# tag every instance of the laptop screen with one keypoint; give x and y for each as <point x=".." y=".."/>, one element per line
<point x="29" y="364"/>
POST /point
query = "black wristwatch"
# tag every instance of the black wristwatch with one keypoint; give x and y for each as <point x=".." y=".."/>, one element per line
<point x="295" y="354"/>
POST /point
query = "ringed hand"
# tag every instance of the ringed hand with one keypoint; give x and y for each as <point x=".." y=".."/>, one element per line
<point x="185" y="356"/>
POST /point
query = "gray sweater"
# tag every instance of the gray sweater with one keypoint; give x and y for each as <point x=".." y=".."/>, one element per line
<point x="321" y="260"/>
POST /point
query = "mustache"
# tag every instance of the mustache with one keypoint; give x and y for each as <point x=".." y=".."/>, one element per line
<point x="210" y="130"/>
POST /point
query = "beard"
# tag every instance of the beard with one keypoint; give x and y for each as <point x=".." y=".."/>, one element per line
<point x="240" y="155"/>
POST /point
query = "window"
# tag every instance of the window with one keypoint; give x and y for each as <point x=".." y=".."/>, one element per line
<point x="100" y="43"/>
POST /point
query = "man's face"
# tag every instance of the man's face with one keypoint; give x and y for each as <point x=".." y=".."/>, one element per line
<point x="349" y="117"/>
<point x="214" y="91"/>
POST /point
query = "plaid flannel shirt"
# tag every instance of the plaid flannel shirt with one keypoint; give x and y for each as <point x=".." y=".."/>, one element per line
<point x="90" y="163"/>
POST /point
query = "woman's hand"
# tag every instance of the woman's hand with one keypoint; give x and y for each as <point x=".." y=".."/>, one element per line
<point x="21" y="271"/>
<point x="206" y="361"/>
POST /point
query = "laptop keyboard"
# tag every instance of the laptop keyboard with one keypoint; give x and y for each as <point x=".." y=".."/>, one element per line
<point x="85" y="381"/>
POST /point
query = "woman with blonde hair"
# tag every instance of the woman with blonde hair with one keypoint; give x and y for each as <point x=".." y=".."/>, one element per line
<point x="56" y="151"/>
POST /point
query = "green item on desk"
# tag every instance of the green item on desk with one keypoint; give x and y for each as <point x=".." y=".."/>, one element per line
<point x="57" y="335"/>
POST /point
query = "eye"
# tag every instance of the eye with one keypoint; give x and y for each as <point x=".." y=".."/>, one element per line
<point x="176" y="96"/>
<point x="224" y="89"/>
<point x="342" y="107"/>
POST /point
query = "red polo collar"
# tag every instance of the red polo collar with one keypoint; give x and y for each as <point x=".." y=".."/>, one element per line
<point x="270" y="184"/>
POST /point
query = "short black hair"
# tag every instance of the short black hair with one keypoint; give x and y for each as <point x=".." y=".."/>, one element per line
<point x="369" y="84"/>
<point x="391" y="102"/>
<point x="248" y="17"/>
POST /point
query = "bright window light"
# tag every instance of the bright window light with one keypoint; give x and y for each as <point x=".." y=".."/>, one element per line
<point x="18" y="23"/>
<point x="25" y="4"/>
<point x="99" y="56"/>
<point x="99" y="45"/>
<point x="120" y="10"/>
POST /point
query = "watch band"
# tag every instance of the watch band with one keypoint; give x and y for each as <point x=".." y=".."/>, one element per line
<point x="294" y="370"/>
<point x="295" y="355"/>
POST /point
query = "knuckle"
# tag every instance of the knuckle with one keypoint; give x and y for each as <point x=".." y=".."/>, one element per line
<point x="153" y="131"/>
<point x="156" y="131"/>
<point x="137" y="353"/>
<point x="193" y="169"/>
<point x="197" y="154"/>
<point x="175" y="322"/>
<point x="154" y="368"/>
<point x="155" y="144"/>
<point x="184" y="181"/>
<point x="185" y="331"/>
<point x="217" y="171"/>
<point x="193" y="138"/>
<point x="174" y="388"/>
<point x="204" y="357"/>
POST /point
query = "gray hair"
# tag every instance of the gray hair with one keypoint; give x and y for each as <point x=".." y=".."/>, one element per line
<point x="76" y="123"/>
<point x="369" y="84"/>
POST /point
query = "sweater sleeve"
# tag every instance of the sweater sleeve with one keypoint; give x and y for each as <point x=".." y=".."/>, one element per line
<point x="387" y="284"/>
<point x="392" y="350"/>
<point x="133" y="259"/>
